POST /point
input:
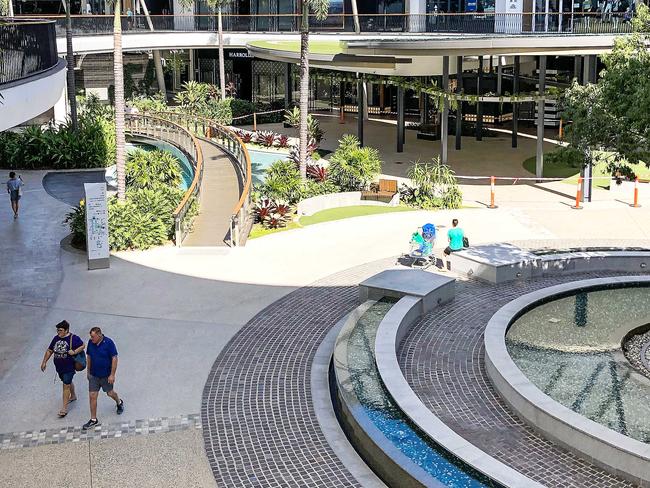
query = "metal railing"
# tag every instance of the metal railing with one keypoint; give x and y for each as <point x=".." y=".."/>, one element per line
<point x="27" y="47"/>
<point x="176" y="134"/>
<point x="227" y="140"/>
<point x="576" y="22"/>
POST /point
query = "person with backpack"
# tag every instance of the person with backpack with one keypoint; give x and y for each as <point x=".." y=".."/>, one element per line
<point x="67" y="350"/>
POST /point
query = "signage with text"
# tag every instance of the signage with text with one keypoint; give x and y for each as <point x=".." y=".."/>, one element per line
<point x="96" y="225"/>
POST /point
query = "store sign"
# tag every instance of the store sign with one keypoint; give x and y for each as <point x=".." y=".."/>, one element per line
<point x="96" y="225"/>
<point x="470" y="5"/>
<point x="239" y="54"/>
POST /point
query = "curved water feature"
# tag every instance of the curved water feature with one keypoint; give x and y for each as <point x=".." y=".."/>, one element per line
<point x="571" y="349"/>
<point x="394" y="447"/>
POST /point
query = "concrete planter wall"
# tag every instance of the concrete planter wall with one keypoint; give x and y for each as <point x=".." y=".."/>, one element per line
<point x="310" y="206"/>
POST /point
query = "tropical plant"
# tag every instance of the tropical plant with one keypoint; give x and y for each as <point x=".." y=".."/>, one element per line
<point x="272" y="213"/>
<point x="148" y="169"/>
<point x="320" y="8"/>
<point x="314" y="130"/>
<point x="352" y="167"/>
<point x="193" y="95"/>
<point x="434" y="185"/>
<point x="317" y="172"/>
<point x="265" y="138"/>
<point x="282" y="182"/>
<point x="282" y="140"/>
<point x="262" y="209"/>
<point x="292" y="117"/>
<point x="155" y="103"/>
<point x="245" y="136"/>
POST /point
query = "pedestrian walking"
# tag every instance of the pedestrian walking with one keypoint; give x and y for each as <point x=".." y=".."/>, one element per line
<point x="102" y="366"/>
<point x="15" y="190"/>
<point x="65" y="346"/>
<point x="457" y="240"/>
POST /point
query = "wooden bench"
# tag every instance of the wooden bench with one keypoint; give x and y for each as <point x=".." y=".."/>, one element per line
<point x="384" y="191"/>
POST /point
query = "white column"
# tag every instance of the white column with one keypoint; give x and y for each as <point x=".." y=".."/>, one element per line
<point x="61" y="107"/>
<point x="416" y="10"/>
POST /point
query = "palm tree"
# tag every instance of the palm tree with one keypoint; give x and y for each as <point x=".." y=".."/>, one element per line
<point x="120" y="105"/>
<point x="320" y="8"/>
<point x="219" y="4"/>
<point x="70" y="62"/>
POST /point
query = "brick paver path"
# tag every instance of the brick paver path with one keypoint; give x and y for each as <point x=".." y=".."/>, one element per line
<point x="259" y="425"/>
<point x="442" y="359"/>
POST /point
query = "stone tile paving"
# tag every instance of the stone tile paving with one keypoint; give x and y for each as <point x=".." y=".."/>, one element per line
<point x="442" y="359"/>
<point x="17" y="440"/>
<point x="259" y="424"/>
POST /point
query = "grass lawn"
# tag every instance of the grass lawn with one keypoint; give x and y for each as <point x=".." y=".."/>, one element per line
<point x="315" y="47"/>
<point x="328" y="216"/>
<point x="570" y="174"/>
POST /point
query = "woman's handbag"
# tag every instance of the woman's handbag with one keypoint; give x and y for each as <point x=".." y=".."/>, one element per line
<point x="465" y="242"/>
<point x="79" y="359"/>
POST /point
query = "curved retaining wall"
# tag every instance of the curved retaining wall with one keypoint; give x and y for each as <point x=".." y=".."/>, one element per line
<point x="310" y="206"/>
<point x="612" y="451"/>
<point x="392" y="329"/>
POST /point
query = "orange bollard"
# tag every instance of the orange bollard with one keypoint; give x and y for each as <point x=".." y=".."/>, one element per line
<point x="492" y="183"/>
<point x="578" y="194"/>
<point x="636" y="193"/>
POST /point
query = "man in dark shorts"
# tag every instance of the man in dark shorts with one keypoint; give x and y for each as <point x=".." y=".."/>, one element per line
<point x="102" y="365"/>
<point x="14" y="188"/>
<point x="64" y="346"/>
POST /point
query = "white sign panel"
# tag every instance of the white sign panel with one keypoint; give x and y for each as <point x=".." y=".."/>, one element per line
<point x="96" y="225"/>
<point x="508" y="16"/>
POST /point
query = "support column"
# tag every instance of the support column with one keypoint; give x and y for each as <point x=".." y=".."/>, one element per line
<point x="61" y="108"/>
<point x="459" y="109"/>
<point x="539" y="161"/>
<point x="360" y="109"/>
<point x="287" y="86"/>
<point x="515" y="106"/>
<point x="191" y="75"/>
<point x="577" y="68"/>
<point x="365" y="93"/>
<point x="400" y="119"/>
<point x="499" y="76"/>
<point x="444" y="121"/>
<point x="479" y="105"/>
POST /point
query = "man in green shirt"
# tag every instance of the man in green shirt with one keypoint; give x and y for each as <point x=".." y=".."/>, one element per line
<point x="455" y="235"/>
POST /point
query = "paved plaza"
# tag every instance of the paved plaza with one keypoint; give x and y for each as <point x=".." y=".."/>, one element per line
<point x="216" y="345"/>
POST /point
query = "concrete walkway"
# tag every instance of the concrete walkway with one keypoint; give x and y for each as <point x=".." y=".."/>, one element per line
<point x="220" y="192"/>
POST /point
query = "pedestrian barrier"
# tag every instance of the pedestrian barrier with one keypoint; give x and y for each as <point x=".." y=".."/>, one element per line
<point x="578" y="194"/>
<point x="492" y="185"/>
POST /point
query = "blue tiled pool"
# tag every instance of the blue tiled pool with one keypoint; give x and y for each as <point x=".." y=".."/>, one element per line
<point x="380" y="408"/>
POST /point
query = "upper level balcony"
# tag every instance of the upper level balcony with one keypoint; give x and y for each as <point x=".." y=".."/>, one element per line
<point x="32" y="76"/>
<point x="536" y="24"/>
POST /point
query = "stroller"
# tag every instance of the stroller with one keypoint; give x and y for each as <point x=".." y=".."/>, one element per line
<point x="421" y="253"/>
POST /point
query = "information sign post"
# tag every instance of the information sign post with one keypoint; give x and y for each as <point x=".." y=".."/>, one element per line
<point x="96" y="225"/>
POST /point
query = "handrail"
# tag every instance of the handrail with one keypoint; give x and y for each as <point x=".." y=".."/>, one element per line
<point x="533" y="23"/>
<point x="161" y="128"/>
<point x="230" y="142"/>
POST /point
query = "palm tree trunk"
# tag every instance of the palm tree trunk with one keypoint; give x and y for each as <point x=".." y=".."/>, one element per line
<point x="157" y="59"/>
<point x="304" y="88"/>
<point x="10" y="9"/>
<point x="118" y="70"/>
<point x="222" y="68"/>
<point x="70" y="62"/>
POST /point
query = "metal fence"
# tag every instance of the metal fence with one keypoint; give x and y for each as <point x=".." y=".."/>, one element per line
<point x="576" y="22"/>
<point x="227" y="140"/>
<point x="166" y="130"/>
<point x="27" y="47"/>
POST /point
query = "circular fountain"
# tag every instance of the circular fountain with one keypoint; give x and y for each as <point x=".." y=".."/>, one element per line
<point x="572" y="361"/>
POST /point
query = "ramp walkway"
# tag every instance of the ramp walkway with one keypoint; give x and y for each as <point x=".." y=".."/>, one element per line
<point x="220" y="192"/>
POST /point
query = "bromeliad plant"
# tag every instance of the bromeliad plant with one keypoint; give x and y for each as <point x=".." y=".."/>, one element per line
<point x="265" y="138"/>
<point x="272" y="214"/>
<point x="317" y="172"/>
<point x="282" y="140"/>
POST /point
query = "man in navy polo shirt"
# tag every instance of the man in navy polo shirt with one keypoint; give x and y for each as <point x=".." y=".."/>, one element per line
<point x="102" y="365"/>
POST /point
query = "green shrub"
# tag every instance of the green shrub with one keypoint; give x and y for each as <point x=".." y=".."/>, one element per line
<point x="240" y="107"/>
<point x="148" y="169"/>
<point x="434" y="186"/>
<point x="353" y="167"/>
<point x="282" y="182"/>
<point x="145" y="104"/>
<point x="311" y="188"/>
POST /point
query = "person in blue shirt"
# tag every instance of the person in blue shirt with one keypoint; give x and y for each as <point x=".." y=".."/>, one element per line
<point x="456" y="237"/>
<point x="101" y="358"/>
<point x="14" y="188"/>
<point x="64" y="346"/>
